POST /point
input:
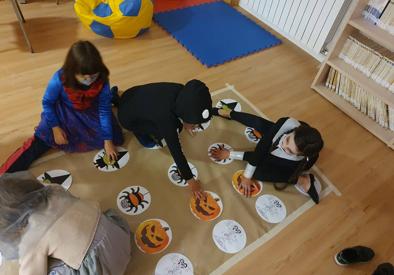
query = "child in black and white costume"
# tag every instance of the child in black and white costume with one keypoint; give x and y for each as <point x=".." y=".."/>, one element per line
<point x="157" y="112"/>
<point x="287" y="150"/>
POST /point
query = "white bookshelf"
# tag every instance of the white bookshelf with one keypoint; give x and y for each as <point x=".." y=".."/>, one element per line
<point x="355" y="23"/>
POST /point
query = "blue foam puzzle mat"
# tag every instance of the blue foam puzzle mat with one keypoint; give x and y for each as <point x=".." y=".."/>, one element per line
<point x="215" y="33"/>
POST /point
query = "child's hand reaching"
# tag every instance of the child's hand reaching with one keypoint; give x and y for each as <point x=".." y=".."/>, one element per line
<point x="59" y="136"/>
<point x="246" y="185"/>
<point x="224" y="113"/>
<point x="219" y="153"/>
<point x="110" y="150"/>
<point x="196" y="189"/>
<point x="189" y="128"/>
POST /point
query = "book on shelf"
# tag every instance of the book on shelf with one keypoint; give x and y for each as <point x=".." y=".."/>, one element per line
<point x="368" y="57"/>
<point x="374" y="10"/>
<point x="361" y="99"/>
<point x="386" y="20"/>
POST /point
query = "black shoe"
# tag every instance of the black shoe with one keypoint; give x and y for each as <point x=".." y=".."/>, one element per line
<point x="353" y="255"/>
<point x="384" y="269"/>
<point x="146" y="140"/>
<point x="115" y="96"/>
<point x="312" y="192"/>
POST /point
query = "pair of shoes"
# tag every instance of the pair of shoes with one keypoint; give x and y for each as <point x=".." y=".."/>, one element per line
<point x="384" y="269"/>
<point x="312" y="192"/>
<point x="353" y="255"/>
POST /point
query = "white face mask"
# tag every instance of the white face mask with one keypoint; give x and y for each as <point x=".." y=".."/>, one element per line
<point x="90" y="80"/>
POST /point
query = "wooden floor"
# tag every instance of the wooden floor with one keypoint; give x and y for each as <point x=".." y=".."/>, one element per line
<point x="277" y="80"/>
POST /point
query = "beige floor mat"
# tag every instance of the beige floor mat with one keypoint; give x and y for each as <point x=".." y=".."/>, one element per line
<point x="148" y="168"/>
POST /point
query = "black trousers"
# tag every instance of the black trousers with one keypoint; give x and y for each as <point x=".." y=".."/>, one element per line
<point x="23" y="157"/>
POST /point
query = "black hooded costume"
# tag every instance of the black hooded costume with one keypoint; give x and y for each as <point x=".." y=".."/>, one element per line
<point x="155" y="109"/>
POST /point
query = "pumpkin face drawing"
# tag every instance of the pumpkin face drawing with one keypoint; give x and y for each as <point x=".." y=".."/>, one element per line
<point x="208" y="208"/>
<point x="153" y="236"/>
<point x="255" y="189"/>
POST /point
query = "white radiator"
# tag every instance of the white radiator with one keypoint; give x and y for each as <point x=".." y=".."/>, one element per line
<point x="310" y="24"/>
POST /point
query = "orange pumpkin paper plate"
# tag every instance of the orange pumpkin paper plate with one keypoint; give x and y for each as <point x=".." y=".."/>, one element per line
<point x="206" y="209"/>
<point x="256" y="187"/>
<point x="153" y="236"/>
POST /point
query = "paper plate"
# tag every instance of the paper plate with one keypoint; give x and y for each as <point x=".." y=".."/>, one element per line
<point x="207" y="209"/>
<point x="174" y="264"/>
<point x="134" y="200"/>
<point x="175" y="176"/>
<point x="217" y="146"/>
<point x="270" y="208"/>
<point x="229" y="104"/>
<point x="256" y="189"/>
<point x="252" y="135"/>
<point x="153" y="236"/>
<point x="103" y="164"/>
<point x="201" y="127"/>
<point x="229" y="236"/>
<point x="61" y="177"/>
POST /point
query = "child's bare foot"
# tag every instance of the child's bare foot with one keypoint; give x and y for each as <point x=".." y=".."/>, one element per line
<point x="304" y="182"/>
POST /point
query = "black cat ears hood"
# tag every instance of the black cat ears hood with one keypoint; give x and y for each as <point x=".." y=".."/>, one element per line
<point x="194" y="104"/>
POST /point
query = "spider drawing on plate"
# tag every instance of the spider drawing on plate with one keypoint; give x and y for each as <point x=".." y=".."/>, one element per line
<point x="133" y="200"/>
<point x="176" y="175"/>
<point x="253" y="134"/>
<point x="219" y="147"/>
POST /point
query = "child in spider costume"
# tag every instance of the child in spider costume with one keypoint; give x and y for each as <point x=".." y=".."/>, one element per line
<point x="77" y="114"/>
<point x="52" y="232"/>
<point x="158" y="111"/>
<point x="287" y="149"/>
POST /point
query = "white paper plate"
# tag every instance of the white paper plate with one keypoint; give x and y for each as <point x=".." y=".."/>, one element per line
<point x="164" y="224"/>
<point x="230" y="103"/>
<point x="223" y="145"/>
<point x="249" y="134"/>
<point x="58" y="176"/>
<point x="175" y="176"/>
<point x="270" y="208"/>
<point x="229" y="236"/>
<point x="174" y="264"/>
<point x="215" y="197"/>
<point x="134" y="200"/>
<point x="123" y="159"/>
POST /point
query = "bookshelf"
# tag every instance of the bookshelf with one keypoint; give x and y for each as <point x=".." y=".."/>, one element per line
<point x="356" y="23"/>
